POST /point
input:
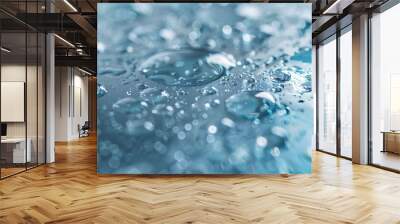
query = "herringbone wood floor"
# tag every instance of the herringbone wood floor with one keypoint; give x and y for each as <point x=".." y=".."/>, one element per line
<point x="70" y="191"/>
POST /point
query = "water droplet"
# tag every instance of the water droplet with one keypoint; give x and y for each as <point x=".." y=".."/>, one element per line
<point x="141" y="86"/>
<point x="114" y="71"/>
<point x="261" y="141"/>
<point x="275" y="152"/>
<point x="227" y="30"/>
<point x="101" y="90"/>
<point x="170" y="108"/>
<point x="307" y="86"/>
<point x="277" y="89"/>
<point x="210" y="138"/>
<point x="215" y="102"/>
<point x="279" y="131"/>
<point x="281" y="75"/>
<point x="167" y="34"/>
<point x="162" y="109"/>
<point x="130" y="105"/>
<point x="181" y="92"/>
<point x="212" y="129"/>
<point x="160" y="147"/>
<point x="240" y="155"/>
<point x="211" y="43"/>
<point x="136" y="127"/>
<point x="179" y="156"/>
<point x="207" y="91"/>
<point x="270" y="61"/>
<point x="228" y="122"/>
<point x="247" y="37"/>
<point x="251" y="104"/>
<point x="195" y="122"/>
<point x="154" y="95"/>
<point x="188" y="127"/>
<point x="181" y="135"/>
<point x="148" y="125"/>
<point x="175" y="129"/>
<point x="186" y="67"/>
<point x="249" y="83"/>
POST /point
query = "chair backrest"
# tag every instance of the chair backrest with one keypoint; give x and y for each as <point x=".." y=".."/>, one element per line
<point x="86" y="124"/>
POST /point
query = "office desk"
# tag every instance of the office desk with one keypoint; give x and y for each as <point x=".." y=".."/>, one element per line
<point x="16" y="147"/>
<point x="391" y="141"/>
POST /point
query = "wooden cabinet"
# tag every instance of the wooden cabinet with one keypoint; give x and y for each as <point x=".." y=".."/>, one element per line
<point x="391" y="142"/>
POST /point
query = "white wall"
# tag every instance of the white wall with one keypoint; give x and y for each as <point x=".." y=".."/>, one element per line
<point x="33" y="126"/>
<point x="70" y="83"/>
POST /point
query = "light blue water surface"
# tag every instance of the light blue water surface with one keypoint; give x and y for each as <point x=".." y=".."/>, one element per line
<point x="204" y="88"/>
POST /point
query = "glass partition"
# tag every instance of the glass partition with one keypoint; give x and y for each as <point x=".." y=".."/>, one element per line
<point x="22" y="77"/>
<point x="385" y="89"/>
<point x="41" y="96"/>
<point x="346" y="93"/>
<point x="327" y="96"/>
<point x="14" y="153"/>
<point x="32" y="95"/>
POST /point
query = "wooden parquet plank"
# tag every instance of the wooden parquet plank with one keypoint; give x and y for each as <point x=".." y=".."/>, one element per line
<point x="70" y="191"/>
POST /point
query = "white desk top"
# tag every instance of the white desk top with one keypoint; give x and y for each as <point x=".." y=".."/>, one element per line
<point x="13" y="140"/>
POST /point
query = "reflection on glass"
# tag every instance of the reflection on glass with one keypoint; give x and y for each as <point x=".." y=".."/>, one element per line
<point x="31" y="100"/>
<point x="41" y="99"/>
<point x="327" y="97"/>
<point x="346" y="94"/>
<point x="386" y="89"/>
<point x="13" y="79"/>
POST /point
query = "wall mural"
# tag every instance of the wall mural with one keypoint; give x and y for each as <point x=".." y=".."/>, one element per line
<point x="204" y="88"/>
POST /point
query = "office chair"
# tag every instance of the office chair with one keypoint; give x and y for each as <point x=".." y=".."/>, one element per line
<point x="84" y="130"/>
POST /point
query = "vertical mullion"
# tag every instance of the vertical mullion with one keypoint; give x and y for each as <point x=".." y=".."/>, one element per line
<point x="369" y="79"/>
<point x="26" y="86"/>
<point x="338" y="81"/>
<point x="45" y="87"/>
<point x="0" y="95"/>
<point x="37" y="89"/>
<point x="317" y="96"/>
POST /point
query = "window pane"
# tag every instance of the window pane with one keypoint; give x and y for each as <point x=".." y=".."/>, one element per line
<point x="13" y="86"/>
<point x="346" y="94"/>
<point x="386" y="89"/>
<point x="327" y="97"/>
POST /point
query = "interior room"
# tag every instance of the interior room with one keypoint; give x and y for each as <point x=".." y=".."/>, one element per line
<point x="22" y="102"/>
<point x="384" y="89"/>
<point x="58" y="163"/>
